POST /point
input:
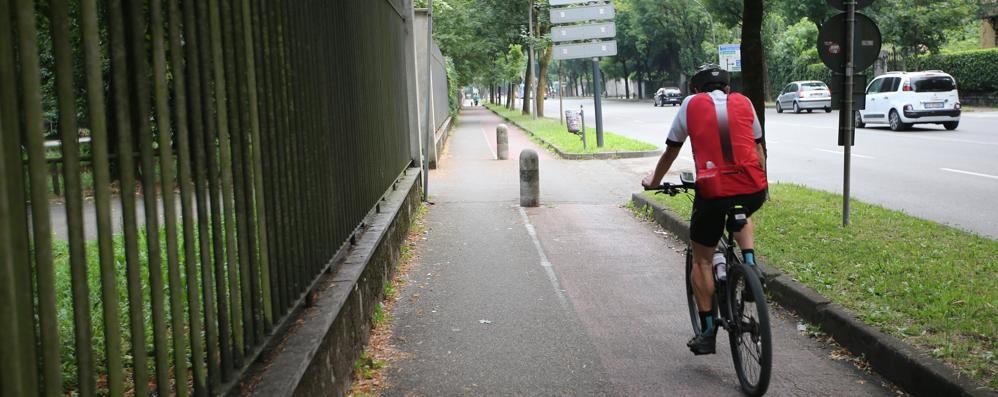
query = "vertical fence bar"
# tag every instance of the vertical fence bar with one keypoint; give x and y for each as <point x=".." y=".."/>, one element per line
<point x="218" y="238"/>
<point x="139" y="69"/>
<point x="37" y="174"/>
<point x="255" y="224"/>
<point x="225" y="163"/>
<point x="276" y="67"/>
<point x="13" y="251"/>
<point x="184" y="180"/>
<point x="197" y="111"/>
<point x="252" y="27"/>
<point x="166" y="165"/>
<point x="102" y="195"/>
<point x="126" y="177"/>
<point x="237" y="103"/>
<point x="59" y="24"/>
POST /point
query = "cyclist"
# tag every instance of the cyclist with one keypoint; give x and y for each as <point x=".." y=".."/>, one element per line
<point x="730" y="164"/>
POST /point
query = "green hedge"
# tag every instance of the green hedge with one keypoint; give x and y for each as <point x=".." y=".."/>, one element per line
<point x="974" y="70"/>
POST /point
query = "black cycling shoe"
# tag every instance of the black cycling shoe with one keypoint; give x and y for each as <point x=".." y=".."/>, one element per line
<point x="703" y="343"/>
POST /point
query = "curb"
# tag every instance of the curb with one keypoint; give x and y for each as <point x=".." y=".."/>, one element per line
<point x="912" y="370"/>
<point x="580" y="156"/>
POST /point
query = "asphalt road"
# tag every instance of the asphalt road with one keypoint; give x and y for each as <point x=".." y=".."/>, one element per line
<point x="575" y="297"/>
<point x="949" y="177"/>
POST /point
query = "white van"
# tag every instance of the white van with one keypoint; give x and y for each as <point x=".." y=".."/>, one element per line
<point x="901" y="99"/>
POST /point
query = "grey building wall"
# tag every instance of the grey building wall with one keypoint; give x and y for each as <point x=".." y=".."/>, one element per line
<point x="439" y="108"/>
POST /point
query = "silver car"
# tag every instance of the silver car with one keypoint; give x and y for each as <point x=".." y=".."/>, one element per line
<point x="804" y="95"/>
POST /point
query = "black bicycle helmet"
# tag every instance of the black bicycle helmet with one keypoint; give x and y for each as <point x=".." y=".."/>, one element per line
<point x="710" y="77"/>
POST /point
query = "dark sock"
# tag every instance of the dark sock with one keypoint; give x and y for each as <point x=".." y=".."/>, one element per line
<point x="749" y="256"/>
<point x="706" y="321"/>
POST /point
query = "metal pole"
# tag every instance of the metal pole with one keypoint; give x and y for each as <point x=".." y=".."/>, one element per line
<point x="561" y="94"/>
<point x="429" y="100"/>
<point x="846" y="117"/>
<point x="599" y="104"/>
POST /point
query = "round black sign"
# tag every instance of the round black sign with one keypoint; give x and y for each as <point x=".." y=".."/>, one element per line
<point x="832" y="39"/>
<point x="841" y="4"/>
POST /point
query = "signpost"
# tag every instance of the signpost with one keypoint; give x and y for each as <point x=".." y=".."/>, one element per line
<point x="847" y="42"/>
<point x="729" y="57"/>
<point x="579" y="36"/>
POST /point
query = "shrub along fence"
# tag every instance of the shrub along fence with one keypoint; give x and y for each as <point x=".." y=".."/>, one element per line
<point x="256" y="135"/>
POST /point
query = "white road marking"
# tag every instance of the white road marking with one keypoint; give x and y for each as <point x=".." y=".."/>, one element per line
<point x="545" y="263"/>
<point x="969" y="173"/>
<point x="843" y="153"/>
<point x="489" y="144"/>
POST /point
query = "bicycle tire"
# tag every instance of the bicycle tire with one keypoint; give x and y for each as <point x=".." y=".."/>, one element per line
<point x="749" y="331"/>
<point x="691" y="299"/>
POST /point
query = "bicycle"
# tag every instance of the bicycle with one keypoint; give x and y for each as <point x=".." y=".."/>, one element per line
<point x="739" y="306"/>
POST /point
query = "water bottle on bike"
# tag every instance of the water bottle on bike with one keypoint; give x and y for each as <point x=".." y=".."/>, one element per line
<point x="720" y="266"/>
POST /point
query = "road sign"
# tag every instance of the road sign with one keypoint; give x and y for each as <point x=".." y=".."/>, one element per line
<point x="582" y="14"/>
<point x="583" y="32"/>
<point x="586" y="50"/>
<point x="838" y="4"/>
<point x="832" y="38"/>
<point x="730" y="57"/>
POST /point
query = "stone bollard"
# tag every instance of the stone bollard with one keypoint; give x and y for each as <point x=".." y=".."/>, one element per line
<point x="502" y="142"/>
<point x="530" y="182"/>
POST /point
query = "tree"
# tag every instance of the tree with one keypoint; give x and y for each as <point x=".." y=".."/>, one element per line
<point x="754" y="58"/>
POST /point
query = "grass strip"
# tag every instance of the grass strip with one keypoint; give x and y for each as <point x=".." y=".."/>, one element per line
<point x="928" y="284"/>
<point x="557" y="134"/>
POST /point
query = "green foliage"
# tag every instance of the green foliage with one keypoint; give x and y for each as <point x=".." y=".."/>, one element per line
<point x="921" y="281"/>
<point x="975" y="70"/>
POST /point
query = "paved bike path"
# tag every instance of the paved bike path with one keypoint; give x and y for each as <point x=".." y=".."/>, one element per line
<point x="576" y="297"/>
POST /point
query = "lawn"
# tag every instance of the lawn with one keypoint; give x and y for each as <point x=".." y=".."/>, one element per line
<point x="931" y="285"/>
<point x="557" y="134"/>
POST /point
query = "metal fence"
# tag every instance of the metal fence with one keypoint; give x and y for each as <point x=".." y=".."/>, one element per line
<point x="242" y="143"/>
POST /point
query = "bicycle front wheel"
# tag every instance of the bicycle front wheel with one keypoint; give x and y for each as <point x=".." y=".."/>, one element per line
<point x="751" y="339"/>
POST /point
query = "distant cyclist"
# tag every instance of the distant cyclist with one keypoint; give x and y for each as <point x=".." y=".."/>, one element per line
<point x="730" y="164"/>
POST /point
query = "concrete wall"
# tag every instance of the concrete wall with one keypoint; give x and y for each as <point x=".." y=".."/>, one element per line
<point x="440" y="105"/>
<point x="988" y="37"/>
<point x="616" y="88"/>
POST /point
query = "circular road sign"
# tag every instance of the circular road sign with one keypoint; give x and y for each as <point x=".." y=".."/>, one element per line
<point x="832" y="39"/>
<point x="841" y="4"/>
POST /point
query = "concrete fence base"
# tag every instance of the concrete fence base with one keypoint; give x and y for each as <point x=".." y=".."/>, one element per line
<point x="316" y="356"/>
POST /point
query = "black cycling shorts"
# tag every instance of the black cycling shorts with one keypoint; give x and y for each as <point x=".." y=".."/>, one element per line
<point x="708" y="220"/>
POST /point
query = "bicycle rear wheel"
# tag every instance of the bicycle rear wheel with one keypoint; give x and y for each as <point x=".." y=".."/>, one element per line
<point x="691" y="299"/>
<point x="749" y="332"/>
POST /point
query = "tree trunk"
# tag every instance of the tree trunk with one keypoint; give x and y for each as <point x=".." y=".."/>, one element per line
<point x="627" y="80"/>
<point x="510" y="94"/>
<point x="543" y="62"/>
<point x="754" y="59"/>
<point x="641" y="83"/>
<point x="528" y="83"/>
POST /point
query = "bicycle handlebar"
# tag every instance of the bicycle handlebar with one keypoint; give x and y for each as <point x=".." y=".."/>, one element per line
<point x="673" y="189"/>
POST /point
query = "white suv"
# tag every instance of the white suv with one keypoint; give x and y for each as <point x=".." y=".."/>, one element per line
<point x="900" y="99"/>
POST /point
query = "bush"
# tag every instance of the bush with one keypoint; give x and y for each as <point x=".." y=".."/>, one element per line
<point x="974" y="70"/>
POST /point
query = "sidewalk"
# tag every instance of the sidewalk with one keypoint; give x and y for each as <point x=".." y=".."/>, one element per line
<point x="578" y="297"/>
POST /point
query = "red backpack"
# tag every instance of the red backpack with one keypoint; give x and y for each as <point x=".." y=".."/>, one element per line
<point x="724" y="147"/>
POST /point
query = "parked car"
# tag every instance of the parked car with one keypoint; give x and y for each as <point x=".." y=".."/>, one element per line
<point x="668" y="96"/>
<point x="804" y="95"/>
<point x="902" y="99"/>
